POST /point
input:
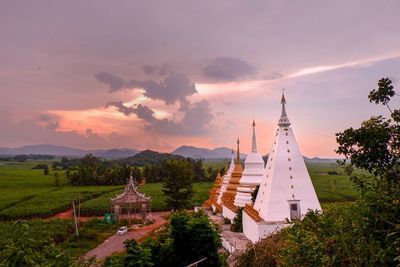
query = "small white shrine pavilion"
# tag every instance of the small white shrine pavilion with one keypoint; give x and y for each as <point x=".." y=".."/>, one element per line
<point x="286" y="191"/>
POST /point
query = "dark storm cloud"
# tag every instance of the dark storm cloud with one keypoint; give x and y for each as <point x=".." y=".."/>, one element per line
<point x="195" y="121"/>
<point x="156" y="70"/>
<point x="175" y="86"/>
<point x="228" y="69"/>
<point x="50" y="121"/>
<point x="141" y="111"/>
<point x="273" y="76"/>
<point x="148" y="69"/>
<point x="116" y="83"/>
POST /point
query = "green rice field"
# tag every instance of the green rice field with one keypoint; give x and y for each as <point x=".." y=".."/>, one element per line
<point x="28" y="193"/>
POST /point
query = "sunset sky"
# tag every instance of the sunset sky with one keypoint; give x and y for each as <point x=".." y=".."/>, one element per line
<point x="160" y="74"/>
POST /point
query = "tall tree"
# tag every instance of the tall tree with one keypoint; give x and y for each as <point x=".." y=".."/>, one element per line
<point x="178" y="185"/>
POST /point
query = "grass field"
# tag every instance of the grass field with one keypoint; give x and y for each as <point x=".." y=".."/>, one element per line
<point x="27" y="193"/>
<point x="331" y="188"/>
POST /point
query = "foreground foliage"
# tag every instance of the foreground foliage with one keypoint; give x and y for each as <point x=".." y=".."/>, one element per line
<point x="190" y="237"/>
<point x="50" y="242"/>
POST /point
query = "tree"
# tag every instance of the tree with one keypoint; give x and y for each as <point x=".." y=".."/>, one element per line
<point x="194" y="238"/>
<point x="188" y="238"/>
<point x="55" y="165"/>
<point x="46" y="171"/>
<point x="237" y="225"/>
<point x="178" y="185"/>
<point x="137" y="256"/>
<point x="56" y="179"/>
<point x="24" y="250"/>
<point x="375" y="146"/>
<point x="137" y="175"/>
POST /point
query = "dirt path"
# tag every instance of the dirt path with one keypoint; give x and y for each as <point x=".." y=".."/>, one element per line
<point x="115" y="243"/>
<point x="68" y="214"/>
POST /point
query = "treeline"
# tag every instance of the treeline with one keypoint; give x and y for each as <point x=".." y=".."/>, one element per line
<point x="92" y="170"/>
<point x="156" y="172"/>
<point x="23" y="158"/>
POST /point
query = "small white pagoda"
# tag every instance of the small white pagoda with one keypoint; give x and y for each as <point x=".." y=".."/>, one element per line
<point x="286" y="191"/>
<point x="225" y="181"/>
<point x="229" y="210"/>
<point x="252" y="175"/>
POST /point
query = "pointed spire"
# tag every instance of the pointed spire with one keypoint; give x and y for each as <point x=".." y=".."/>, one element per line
<point x="284" y="120"/>
<point x="254" y="142"/>
<point x="283" y="102"/>
<point x="238" y="152"/>
<point x="232" y="164"/>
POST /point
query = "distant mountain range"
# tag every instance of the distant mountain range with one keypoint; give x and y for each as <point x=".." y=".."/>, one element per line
<point x="317" y="159"/>
<point x="204" y="153"/>
<point x="184" y="151"/>
<point x="67" y="151"/>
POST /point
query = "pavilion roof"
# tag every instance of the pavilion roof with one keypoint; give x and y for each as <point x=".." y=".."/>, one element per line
<point x="131" y="195"/>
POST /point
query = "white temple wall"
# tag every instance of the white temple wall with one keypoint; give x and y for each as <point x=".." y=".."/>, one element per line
<point x="214" y="208"/>
<point x="250" y="228"/>
<point x="258" y="230"/>
<point x="227" y="213"/>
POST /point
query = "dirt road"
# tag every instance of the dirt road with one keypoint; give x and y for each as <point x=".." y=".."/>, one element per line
<point x="116" y="242"/>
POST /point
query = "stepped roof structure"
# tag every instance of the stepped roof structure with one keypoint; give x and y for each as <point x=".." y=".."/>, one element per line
<point x="229" y="209"/>
<point x="214" y="191"/>
<point x="252" y="175"/>
<point x="225" y="182"/>
<point x="286" y="191"/>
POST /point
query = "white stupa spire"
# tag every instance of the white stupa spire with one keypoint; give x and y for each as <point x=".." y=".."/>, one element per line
<point x="283" y="120"/>
<point x="252" y="174"/>
<point x="254" y="142"/>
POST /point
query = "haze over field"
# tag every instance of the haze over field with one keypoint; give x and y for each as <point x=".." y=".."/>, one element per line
<point x="158" y="75"/>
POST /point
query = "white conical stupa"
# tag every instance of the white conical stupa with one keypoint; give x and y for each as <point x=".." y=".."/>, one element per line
<point x="252" y="175"/>
<point x="225" y="181"/>
<point x="286" y="191"/>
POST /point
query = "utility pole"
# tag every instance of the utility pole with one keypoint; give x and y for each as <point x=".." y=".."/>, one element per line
<point x="76" y="222"/>
<point x="79" y="209"/>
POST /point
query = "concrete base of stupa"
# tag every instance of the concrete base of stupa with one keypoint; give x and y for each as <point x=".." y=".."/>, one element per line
<point x="254" y="228"/>
<point x="243" y="196"/>
<point x="228" y="213"/>
<point x="216" y="207"/>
